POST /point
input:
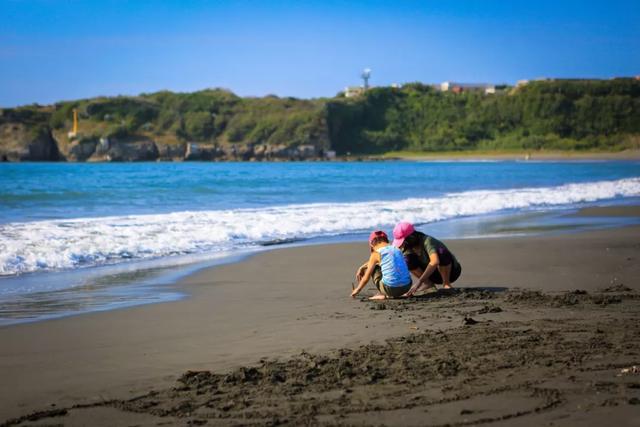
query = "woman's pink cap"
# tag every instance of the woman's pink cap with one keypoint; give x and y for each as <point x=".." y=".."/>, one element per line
<point x="400" y="232"/>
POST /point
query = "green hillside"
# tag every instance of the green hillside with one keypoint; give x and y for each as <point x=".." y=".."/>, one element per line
<point x="559" y="115"/>
<point x="542" y="115"/>
<point x="213" y="115"/>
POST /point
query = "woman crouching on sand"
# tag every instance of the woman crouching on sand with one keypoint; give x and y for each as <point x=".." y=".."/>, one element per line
<point x="427" y="258"/>
<point x="387" y="268"/>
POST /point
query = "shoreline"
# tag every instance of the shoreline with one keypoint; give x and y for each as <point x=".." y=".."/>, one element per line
<point x="516" y="155"/>
<point x="465" y="155"/>
<point x="276" y="304"/>
<point x="153" y="281"/>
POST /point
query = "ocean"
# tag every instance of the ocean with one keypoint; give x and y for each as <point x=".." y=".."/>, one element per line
<point x="78" y="237"/>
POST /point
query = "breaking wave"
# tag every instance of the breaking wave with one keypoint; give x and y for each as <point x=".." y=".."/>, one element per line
<point x="68" y="244"/>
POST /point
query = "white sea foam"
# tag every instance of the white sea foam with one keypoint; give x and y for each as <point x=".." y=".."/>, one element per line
<point x="68" y="244"/>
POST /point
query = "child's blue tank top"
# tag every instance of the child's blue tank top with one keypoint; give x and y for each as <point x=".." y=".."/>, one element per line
<point x="394" y="268"/>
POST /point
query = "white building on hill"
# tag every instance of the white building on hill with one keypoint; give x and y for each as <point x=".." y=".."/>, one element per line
<point x="352" y="91"/>
<point x="467" y="87"/>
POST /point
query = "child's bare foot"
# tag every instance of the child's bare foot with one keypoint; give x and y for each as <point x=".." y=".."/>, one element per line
<point x="378" y="297"/>
<point x="447" y="287"/>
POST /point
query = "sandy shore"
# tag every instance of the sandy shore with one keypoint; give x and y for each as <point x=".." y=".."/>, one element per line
<point x="535" y="351"/>
<point x="548" y="155"/>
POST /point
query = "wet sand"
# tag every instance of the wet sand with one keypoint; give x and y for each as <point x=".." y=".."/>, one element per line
<point x="609" y="211"/>
<point x="276" y="339"/>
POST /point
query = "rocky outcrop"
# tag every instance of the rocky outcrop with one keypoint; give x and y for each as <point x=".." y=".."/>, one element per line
<point x="136" y="151"/>
<point x="265" y="152"/>
<point x="197" y="151"/>
<point x="256" y="152"/>
<point x="277" y="152"/>
<point x="106" y="150"/>
<point x="21" y="143"/>
<point x="80" y="151"/>
<point x="171" y="151"/>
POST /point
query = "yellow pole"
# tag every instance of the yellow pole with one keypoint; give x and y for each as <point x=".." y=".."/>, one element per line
<point x="75" y="121"/>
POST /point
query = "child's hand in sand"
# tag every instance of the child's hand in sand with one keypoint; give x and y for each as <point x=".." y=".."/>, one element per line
<point x="354" y="293"/>
<point x="409" y="293"/>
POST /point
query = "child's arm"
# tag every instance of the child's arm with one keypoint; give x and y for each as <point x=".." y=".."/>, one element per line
<point x="373" y="260"/>
<point x="360" y="271"/>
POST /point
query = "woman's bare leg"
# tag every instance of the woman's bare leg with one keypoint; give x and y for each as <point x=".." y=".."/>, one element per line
<point x="445" y="272"/>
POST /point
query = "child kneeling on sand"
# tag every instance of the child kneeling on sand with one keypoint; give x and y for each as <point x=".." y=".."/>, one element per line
<point x="386" y="267"/>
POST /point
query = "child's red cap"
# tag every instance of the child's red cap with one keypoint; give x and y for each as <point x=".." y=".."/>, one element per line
<point x="377" y="233"/>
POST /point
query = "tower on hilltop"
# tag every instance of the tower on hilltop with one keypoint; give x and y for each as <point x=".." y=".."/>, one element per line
<point x="365" y="76"/>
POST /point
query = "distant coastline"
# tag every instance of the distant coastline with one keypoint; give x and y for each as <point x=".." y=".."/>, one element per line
<point x="575" y="118"/>
<point x="550" y="155"/>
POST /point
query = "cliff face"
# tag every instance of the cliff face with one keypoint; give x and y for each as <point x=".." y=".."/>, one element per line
<point x="19" y="143"/>
<point x="107" y="150"/>
<point x="142" y="149"/>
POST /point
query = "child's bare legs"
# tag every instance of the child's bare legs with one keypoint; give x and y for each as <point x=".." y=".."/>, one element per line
<point x="376" y="278"/>
<point x="445" y="272"/>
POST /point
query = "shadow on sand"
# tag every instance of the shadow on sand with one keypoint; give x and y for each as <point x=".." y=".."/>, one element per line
<point x="475" y="292"/>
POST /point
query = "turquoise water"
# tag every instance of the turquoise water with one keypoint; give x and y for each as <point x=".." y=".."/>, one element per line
<point x="35" y="191"/>
<point x="65" y="227"/>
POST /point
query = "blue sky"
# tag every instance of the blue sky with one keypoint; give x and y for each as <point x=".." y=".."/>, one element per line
<point x="54" y="50"/>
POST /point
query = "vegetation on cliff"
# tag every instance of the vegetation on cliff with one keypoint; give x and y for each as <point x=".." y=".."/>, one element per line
<point x="558" y="115"/>
<point x="212" y="115"/>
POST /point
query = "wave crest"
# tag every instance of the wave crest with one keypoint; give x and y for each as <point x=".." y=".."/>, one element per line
<point x="67" y="244"/>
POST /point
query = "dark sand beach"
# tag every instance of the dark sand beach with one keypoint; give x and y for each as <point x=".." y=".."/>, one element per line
<point x="540" y="330"/>
<point x="535" y="155"/>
